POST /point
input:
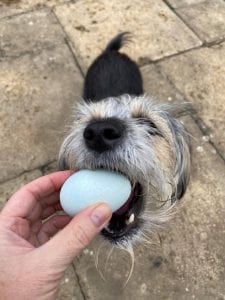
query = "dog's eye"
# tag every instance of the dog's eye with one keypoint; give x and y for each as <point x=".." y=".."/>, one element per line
<point x="152" y="128"/>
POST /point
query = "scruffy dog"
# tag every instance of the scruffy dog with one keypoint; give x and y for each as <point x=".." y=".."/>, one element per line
<point x="117" y="127"/>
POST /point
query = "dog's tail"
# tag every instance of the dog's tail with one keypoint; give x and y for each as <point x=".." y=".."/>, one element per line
<point x="118" y="41"/>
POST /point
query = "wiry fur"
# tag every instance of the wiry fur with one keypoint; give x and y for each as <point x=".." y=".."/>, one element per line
<point x="160" y="163"/>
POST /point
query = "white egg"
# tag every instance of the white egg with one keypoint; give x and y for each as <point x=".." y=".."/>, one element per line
<point x="87" y="187"/>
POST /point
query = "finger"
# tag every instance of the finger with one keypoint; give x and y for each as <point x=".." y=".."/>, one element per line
<point x="69" y="242"/>
<point x="51" y="227"/>
<point x="23" y="202"/>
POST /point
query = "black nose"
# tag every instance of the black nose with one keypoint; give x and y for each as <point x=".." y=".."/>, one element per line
<point x="105" y="134"/>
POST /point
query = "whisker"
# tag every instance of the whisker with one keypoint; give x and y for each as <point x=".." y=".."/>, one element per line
<point x="146" y="238"/>
<point x="129" y="249"/>
<point x="97" y="260"/>
<point x="108" y="256"/>
<point x="127" y="246"/>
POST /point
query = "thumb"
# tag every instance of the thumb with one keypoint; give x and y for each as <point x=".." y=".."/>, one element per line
<point x="78" y="234"/>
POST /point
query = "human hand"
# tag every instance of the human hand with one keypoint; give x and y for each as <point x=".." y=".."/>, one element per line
<point x="33" y="258"/>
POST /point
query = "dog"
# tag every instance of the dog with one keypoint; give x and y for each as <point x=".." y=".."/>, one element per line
<point x="117" y="127"/>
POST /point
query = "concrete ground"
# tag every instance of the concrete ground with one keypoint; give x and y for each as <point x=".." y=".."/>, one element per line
<point x="45" y="49"/>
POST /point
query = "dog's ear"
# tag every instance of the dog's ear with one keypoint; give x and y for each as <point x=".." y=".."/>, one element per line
<point x="181" y="142"/>
<point x="178" y="110"/>
<point x="183" y="157"/>
<point x="183" y="167"/>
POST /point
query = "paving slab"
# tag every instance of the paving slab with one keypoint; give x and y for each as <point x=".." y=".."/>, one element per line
<point x="29" y="32"/>
<point x="183" y="3"/>
<point x="200" y="76"/>
<point x="9" y="187"/>
<point x="189" y="264"/>
<point x="157" y="31"/>
<point x="207" y="19"/>
<point x="12" y="7"/>
<point x="69" y="287"/>
<point x="154" y="81"/>
<point x="37" y="97"/>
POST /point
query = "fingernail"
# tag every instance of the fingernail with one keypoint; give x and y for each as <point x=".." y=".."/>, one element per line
<point x="101" y="214"/>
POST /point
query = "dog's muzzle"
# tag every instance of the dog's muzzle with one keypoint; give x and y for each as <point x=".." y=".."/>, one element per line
<point x="141" y="140"/>
<point x="105" y="135"/>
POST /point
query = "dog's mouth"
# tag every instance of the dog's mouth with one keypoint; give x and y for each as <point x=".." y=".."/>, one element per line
<point x="125" y="221"/>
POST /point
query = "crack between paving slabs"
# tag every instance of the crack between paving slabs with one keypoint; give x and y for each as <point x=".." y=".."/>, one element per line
<point x="29" y="52"/>
<point x="204" y="43"/>
<point x="180" y="17"/>
<point x="30" y="11"/>
<point x="40" y="168"/>
<point x="17" y="14"/>
<point x="197" y="120"/>
<point x="201" y="125"/>
<point x="217" y="41"/>
<point x="171" y="55"/>
<point x="69" y="45"/>
<point x="82" y="291"/>
<point x="184" y="5"/>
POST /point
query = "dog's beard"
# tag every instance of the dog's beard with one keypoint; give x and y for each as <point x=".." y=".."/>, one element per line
<point x="154" y="155"/>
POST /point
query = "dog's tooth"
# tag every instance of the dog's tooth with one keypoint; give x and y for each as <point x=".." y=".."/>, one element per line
<point x="130" y="220"/>
<point x="107" y="229"/>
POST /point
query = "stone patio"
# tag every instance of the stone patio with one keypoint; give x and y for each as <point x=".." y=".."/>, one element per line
<point x="46" y="47"/>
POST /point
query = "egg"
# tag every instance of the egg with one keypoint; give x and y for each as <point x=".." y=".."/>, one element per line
<point x="87" y="187"/>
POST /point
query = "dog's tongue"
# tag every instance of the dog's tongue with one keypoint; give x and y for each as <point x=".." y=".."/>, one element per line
<point x="126" y="205"/>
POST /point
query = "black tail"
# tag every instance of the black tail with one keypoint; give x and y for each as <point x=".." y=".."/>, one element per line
<point x="118" y="41"/>
<point x="113" y="73"/>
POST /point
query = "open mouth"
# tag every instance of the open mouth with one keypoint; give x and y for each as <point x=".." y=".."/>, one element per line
<point x="124" y="221"/>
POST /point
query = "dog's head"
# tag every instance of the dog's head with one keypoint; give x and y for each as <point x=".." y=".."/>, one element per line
<point x="143" y="141"/>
